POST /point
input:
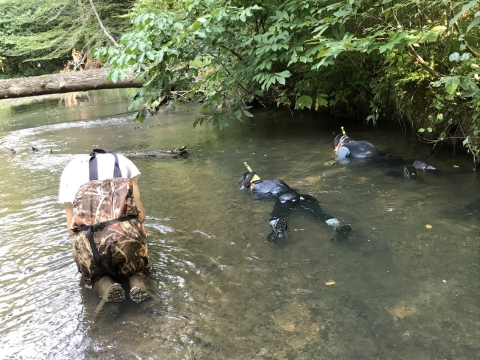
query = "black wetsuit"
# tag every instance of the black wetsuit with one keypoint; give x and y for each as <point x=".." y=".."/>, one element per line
<point x="288" y="199"/>
<point x="362" y="149"/>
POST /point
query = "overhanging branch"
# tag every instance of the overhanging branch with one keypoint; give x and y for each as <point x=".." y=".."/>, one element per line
<point x="107" y="34"/>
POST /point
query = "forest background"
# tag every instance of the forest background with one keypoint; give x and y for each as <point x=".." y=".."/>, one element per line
<point x="414" y="62"/>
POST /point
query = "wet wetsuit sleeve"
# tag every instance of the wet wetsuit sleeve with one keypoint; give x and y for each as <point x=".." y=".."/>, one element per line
<point x="281" y="210"/>
<point x="343" y="153"/>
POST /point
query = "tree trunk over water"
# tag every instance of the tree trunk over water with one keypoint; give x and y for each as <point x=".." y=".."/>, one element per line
<point x="62" y="83"/>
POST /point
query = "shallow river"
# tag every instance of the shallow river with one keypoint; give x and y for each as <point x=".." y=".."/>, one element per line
<point x="405" y="286"/>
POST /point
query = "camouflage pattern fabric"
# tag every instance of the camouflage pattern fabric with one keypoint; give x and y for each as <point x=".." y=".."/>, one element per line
<point x="123" y="245"/>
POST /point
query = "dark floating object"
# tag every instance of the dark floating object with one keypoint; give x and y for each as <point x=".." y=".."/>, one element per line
<point x="34" y="149"/>
<point x="176" y="153"/>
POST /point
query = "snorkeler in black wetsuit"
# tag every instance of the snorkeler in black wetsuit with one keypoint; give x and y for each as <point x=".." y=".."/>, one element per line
<point x="287" y="199"/>
<point x="346" y="148"/>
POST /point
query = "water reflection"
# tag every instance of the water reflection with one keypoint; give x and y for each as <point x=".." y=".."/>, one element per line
<point x="402" y="289"/>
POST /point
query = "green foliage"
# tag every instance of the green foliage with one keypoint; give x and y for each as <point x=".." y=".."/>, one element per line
<point x="369" y="59"/>
<point x="155" y="6"/>
<point x="163" y="48"/>
<point x="457" y="95"/>
<point x="411" y="60"/>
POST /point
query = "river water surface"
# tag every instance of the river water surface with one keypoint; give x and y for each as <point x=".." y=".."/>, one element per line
<point x="405" y="286"/>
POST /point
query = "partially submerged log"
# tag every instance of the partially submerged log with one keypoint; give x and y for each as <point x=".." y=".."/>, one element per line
<point x="180" y="152"/>
<point x="176" y="153"/>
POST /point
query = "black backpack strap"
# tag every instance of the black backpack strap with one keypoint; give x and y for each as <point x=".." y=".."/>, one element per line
<point x="96" y="254"/>
<point x="116" y="170"/>
<point x="98" y="226"/>
<point x="93" y="164"/>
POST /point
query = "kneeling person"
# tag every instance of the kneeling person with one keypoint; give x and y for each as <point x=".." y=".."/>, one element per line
<point x="105" y="213"/>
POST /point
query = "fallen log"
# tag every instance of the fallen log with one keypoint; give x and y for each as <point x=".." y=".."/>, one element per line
<point x="63" y="83"/>
<point x="180" y="152"/>
<point x="176" y="153"/>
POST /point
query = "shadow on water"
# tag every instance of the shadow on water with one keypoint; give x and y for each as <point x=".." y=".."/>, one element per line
<point x="405" y="286"/>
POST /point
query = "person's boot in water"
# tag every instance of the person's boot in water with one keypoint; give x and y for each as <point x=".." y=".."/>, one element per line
<point x="139" y="289"/>
<point x="109" y="290"/>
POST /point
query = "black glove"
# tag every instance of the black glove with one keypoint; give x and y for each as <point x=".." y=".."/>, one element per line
<point x="279" y="226"/>
<point x="341" y="233"/>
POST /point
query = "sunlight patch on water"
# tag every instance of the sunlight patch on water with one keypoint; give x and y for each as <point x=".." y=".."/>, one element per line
<point x="204" y="234"/>
<point x="163" y="229"/>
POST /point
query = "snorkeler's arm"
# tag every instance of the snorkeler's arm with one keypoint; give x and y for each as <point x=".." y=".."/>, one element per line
<point x="138" y="200"/>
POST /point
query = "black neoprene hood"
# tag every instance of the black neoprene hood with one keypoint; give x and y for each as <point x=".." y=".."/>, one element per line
<point x="245" y="179"/>
<point x="340" y="138"/>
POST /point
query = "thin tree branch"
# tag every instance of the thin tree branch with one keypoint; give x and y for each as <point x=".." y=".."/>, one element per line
<point x="233" y="52"/>
<point x="412" y="52"/>
<point x="101" y="25"/>
<point x="467" y="46"/>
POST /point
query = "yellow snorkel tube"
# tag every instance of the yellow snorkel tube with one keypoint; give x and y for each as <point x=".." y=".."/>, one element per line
<point x="255" y="177"/>
<point x="340" y="142"/>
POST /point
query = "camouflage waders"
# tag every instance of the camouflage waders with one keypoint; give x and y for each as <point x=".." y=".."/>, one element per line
<point x="122" y="246"/>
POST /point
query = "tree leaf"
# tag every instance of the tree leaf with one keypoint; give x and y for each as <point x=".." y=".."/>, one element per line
<point x="433" y="33"/>
<point x="475" y="22"/>
<point x="464" y="8"/>
<point x="284" y="74"/>
<point x="451" y="84"/>
<point x="303" y="101"/>
<point x="454" y="57"/>
<point x="247" y="113"/>
<point x="321" y="101"/>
